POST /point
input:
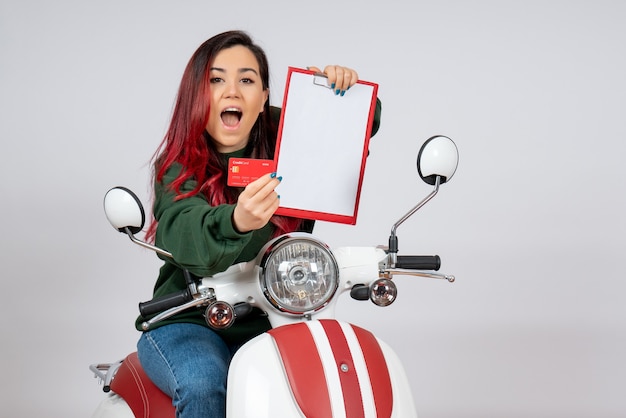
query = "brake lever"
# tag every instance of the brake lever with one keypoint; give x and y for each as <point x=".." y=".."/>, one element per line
<point x="388" y="274"/>
<point x="204" y="298"/>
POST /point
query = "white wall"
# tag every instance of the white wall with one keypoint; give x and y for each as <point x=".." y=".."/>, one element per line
<point x="532" y="225"/>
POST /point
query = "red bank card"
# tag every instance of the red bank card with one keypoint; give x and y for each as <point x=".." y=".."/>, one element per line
<point x="242" y="171"/>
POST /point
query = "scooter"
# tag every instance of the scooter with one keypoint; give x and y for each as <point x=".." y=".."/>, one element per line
<point x="309" y="364"/>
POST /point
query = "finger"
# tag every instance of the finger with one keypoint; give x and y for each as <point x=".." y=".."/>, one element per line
<point x="350" y="77"/>
<point x="331" y="74"/>
<point x="314" y="69"/>
<point x="269" y="205"/>
<point x="275" y="204"/>
<point x="265" y="208"/>
<point x="261" y="188"/>
<point x="255" y="186"/>
<point x="346" y="78"/>
<point x="340" y="73"/>
<point x="340" y="78"/>
<point x="269" y="188"/>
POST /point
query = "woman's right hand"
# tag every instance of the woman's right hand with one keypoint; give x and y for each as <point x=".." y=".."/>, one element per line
<point x="256" y="203"/>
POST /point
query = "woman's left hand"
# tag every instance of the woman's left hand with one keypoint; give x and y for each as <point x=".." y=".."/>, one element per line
<point x="340" y="78"/>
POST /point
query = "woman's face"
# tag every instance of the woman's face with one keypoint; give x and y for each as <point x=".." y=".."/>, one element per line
<point x="237" y="98"/>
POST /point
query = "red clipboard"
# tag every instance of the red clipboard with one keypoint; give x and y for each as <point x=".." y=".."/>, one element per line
<point x="322" y="147"/>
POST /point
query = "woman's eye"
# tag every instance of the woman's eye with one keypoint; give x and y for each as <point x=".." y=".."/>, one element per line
<point x="215" y="80"/>
<point x="247" y="80"/>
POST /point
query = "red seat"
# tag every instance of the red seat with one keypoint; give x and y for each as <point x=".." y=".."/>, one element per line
<point x="144" y="398"/>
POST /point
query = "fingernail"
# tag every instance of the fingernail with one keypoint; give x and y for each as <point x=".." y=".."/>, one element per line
<point x="332" y="86"/>
<point x="278" y="196"/>
<point x="337" y="92"/>
<point x="280" y="178"/>
<point x="343" y="92"/>
<point x="273" y="175"/>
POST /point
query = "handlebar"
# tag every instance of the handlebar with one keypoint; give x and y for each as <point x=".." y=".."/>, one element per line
<point x="163" y="303"/>
<point x="418" y="262"/>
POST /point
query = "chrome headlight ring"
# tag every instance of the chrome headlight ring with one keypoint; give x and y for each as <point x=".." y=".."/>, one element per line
<point x="298" y="274"/>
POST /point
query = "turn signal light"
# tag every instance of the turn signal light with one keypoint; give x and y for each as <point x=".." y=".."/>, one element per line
<point x="383" y="292"/>
<point x="219" y="315"/>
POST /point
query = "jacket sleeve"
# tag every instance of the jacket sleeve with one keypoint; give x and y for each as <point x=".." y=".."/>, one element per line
<point x="199" y="236"/>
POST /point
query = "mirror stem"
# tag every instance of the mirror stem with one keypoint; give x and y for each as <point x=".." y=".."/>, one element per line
<point x="145" y="244"/>
<point x="393" y="239"/>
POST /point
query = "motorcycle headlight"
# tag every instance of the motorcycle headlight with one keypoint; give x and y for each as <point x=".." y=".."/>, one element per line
<point x="298" y="274"/>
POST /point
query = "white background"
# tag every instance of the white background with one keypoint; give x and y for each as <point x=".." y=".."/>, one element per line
<point x="532" y="224"/>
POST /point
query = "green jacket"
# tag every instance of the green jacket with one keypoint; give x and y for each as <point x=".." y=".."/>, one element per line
<point x="202" y="239"/>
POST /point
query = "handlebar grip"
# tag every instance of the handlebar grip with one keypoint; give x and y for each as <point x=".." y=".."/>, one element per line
<point x="163" y="303"/>
<point x="419" y="262"/>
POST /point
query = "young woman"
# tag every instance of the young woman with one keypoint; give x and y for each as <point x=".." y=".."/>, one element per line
<point x="222" y="111"/>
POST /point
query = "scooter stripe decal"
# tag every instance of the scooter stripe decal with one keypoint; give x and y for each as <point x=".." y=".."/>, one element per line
<point x="350" y="386"/>
<point x="330" y="368"/>
<point x="304" y="369"/>
<point x="313" y="353"/>
<point x="361" y="370"/>
<point x="378" y="371"/>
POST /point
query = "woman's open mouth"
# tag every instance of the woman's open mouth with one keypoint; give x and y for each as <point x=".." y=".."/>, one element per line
<point x="231" y="117"/>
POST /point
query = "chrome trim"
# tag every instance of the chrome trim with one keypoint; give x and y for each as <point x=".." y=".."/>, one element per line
<point x="278" y="244"/>
<point x="388" y="274"/>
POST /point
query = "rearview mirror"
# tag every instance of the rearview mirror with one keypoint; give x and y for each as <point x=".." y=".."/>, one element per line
<point x="124" y="210"/>
<point x="438" y="157"/>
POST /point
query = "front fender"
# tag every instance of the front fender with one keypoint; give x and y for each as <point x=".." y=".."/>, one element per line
<point x="318" y="368"/>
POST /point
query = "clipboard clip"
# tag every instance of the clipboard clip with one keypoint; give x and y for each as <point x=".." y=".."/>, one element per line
<point x="320" y="79"/>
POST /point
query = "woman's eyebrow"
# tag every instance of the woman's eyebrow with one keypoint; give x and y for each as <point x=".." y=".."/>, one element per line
<point x="241" y="70"/>
<point x="245" y="70"/>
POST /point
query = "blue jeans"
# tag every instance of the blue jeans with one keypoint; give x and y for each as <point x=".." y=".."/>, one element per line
<point x="188" y="362"/>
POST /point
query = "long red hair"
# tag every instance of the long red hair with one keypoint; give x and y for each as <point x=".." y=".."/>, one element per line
<point x="186" y="141"/>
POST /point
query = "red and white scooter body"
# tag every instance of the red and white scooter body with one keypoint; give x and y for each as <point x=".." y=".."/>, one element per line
<point x="319" y="368"/>
<point x="301" y="368"/>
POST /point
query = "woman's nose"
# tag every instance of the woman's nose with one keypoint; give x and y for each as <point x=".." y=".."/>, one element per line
<point x="232" y="89"/>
